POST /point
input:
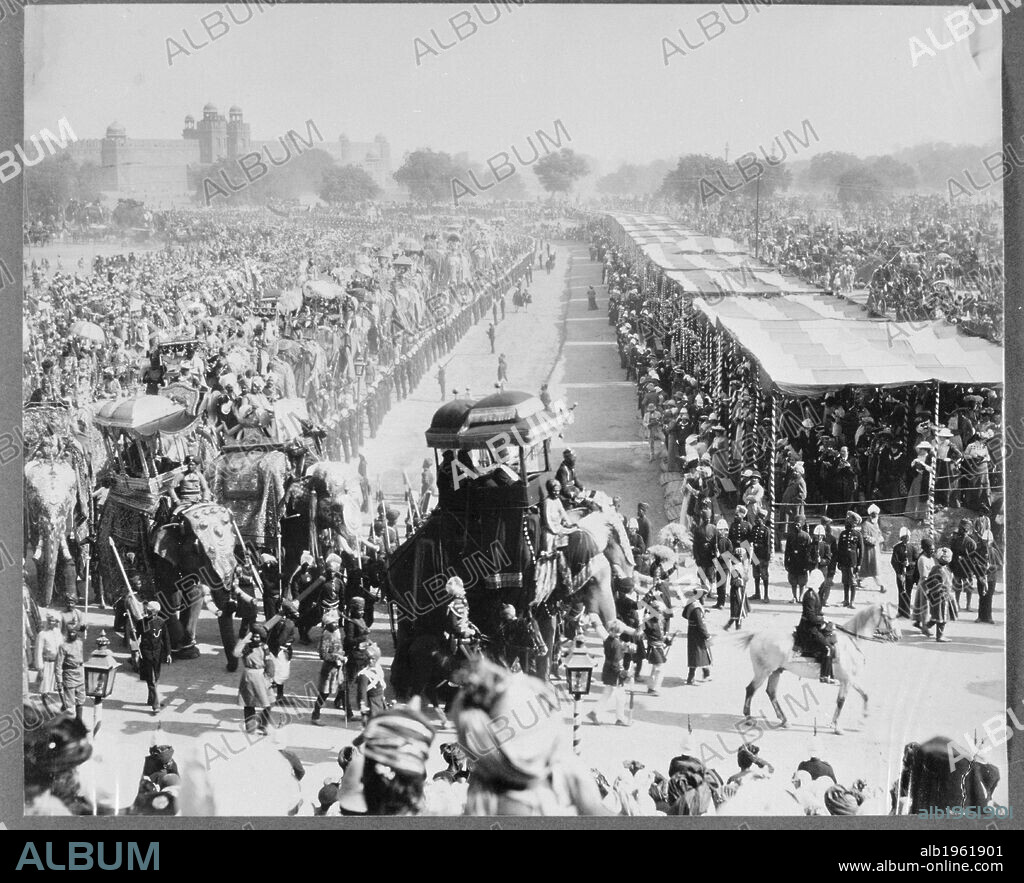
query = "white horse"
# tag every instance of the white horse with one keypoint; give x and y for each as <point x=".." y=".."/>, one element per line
<point x="773" y="652"/>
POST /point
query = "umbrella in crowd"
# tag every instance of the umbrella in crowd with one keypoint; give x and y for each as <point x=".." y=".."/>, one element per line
<point x="88" y="331"/>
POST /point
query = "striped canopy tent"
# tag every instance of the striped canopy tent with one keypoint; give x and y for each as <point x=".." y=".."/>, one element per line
<point x="807" y="345"/>
<point x="631" y="225"/>
<point x="742" y="279"/>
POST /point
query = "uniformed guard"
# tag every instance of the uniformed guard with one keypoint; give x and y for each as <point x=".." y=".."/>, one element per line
<point x="332" y="658"/>
<point x="371" y="685"/>
<point x="849" y="554"/>
<point x="69" y="671"/>
<point x="356" y="646"/>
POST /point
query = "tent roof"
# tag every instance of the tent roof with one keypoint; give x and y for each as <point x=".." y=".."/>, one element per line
<point x="742" y="279"/>
<point x="809" y="344"/>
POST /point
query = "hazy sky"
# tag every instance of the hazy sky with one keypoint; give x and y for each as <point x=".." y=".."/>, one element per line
<point x="598" y="69"/>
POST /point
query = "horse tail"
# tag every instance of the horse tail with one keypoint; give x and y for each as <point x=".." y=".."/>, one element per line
<point x="745" y="639"/>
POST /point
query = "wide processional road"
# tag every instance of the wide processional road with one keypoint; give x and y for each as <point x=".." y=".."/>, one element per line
<point x="917" y="688"/>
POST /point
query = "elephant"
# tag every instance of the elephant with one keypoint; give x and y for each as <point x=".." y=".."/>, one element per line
<point x="338" y="496"/>
<point x="195" y="563"/>
<point x="58" y="482"/>
<point x="251" y="483"/>
<point x="51" y="487"/>
<point x="597" y="557"/>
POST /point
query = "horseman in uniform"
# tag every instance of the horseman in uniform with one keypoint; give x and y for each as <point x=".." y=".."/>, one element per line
<point x="814" y="633"/>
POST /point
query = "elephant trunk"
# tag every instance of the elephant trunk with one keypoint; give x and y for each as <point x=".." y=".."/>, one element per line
<point x="47" y="553"/>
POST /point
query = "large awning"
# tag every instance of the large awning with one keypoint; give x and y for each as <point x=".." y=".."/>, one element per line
<point x="808" y="345"/>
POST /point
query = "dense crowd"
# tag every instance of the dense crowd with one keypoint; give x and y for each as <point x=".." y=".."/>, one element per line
<point x="509" y="756"/>
<point x="230" y="283"/>
<point x="917" y="257"/>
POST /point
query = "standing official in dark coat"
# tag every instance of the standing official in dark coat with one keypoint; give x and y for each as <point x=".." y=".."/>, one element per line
<point x="698" y="639"/>
<point x="899" y="560"/>
<point x="154" y="650"/>
<point x="798" y="559"/>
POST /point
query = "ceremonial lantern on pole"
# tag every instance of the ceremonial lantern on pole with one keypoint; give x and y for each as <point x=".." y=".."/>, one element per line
<point x="359" y="366"/>
<point x="100" y="671"/>
<point x="579" y="671"/>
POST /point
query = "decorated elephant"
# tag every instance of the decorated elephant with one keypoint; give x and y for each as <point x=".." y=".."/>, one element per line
<point x="194" y="563"/>
<point x="597" y="557"/>
<point x="334" y="490"/>
<point x="51" y="492"/>
<point x="58" y="482"/>
<point x="251" y="483"/>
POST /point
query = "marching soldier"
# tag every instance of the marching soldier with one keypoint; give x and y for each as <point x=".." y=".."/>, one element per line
<point x="332" y="658"/>
<point x="371" y="686"/>
<point x="356" y="647"/>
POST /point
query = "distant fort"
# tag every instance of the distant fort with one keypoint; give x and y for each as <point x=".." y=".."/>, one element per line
<point x="165" y="172"/>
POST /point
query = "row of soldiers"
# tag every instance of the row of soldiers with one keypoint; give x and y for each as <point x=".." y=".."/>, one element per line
<point x="345" y="423"/>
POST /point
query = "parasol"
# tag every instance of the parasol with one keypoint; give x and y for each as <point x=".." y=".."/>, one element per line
<point x="146" y="415"/>
<point x="88" y="331"/>
<point x="237" y="361"/>
<point x="289" y="301"/>
<point x="323" y="289"/>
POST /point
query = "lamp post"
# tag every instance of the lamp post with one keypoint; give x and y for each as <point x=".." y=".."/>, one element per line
<point x="100" y="671"/>
<point x="579" y="671"/>
<point x="359" y="366"/>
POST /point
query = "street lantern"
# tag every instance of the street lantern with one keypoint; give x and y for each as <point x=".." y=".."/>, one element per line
<point x="100" y="670"/>
<point x="359" y="365"/>
<point x="579" y="671"/>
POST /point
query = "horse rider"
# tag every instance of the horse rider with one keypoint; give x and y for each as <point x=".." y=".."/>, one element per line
<point x="461" y="632"/>
<point x="191" y="487"/>
<point x="815" y="633"/>
<point x="572" y="489"/>
<point x="554" y="523"/>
